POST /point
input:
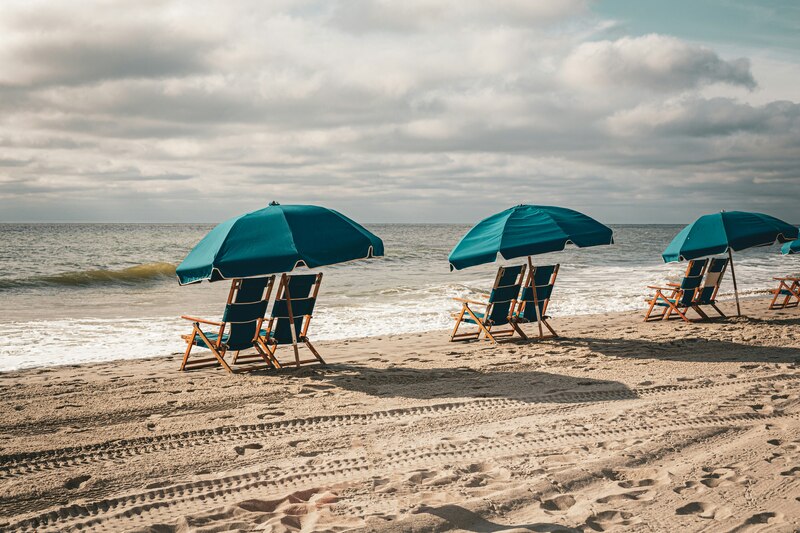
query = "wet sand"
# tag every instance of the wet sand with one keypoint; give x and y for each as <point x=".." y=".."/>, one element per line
<point x="617" y="425"/>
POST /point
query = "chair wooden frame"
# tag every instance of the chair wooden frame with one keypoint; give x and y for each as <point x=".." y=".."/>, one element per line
<point x="789" y="287"/>
<point x="541" y="313"/>
<point x="672" y="294"/>
<point x="218" y="347"/>
<point x="484" y="324"/>
<point x="283" y="294"/>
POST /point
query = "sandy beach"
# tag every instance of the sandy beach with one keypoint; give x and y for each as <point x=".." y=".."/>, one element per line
<point x="617" y="425"/>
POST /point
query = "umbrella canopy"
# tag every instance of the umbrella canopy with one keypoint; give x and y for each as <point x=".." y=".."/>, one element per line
<point x="527" y="230"/>
<point x="277" y="239"/>
<point x="718" y="233"/>
<point x="792" y="247"/>
<point x="726" y="231"/>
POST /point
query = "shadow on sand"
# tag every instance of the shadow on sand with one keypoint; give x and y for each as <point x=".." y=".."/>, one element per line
<point x="457" y="517"/>
<point x="686" y="349"/>
<point x="431" y="383"/>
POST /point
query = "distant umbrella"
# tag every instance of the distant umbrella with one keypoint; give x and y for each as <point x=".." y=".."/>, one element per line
<point x="792" y="247"/>
<point x="276" y="239"/>
<point x="527" y="230"/>
<point x="718" y="233"/>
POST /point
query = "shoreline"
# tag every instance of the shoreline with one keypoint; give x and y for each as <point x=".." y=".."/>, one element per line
<point x="651" y="426"/>
<point x="724" y="301"/>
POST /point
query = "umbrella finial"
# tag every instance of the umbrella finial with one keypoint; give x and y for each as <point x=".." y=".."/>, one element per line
<point x="273" y="202"/>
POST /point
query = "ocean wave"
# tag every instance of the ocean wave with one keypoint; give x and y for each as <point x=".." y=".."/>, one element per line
<point x="130" y="276"/>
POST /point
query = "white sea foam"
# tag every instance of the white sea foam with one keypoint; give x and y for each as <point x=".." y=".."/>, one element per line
<point x="43" y="324"/>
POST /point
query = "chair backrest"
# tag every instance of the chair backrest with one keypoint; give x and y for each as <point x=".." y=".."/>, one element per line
<point x="247" y="304"/>
<point x="716" y="269"/>
<point x="504" y="294"/>
<point x="537" y="291"/>
<point x="294" y="303"/>
<point x="692" y="279"/>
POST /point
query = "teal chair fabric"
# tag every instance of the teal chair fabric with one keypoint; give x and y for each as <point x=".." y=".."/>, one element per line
<point x="542" y="278"/>
<point x="300" y="289"/>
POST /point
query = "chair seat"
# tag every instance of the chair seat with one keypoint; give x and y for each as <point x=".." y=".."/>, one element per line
<point x="662" y="303"/>
<point x="198" y="340"/>
<point x="468" y="318"/>
<point x="520" y="318"/>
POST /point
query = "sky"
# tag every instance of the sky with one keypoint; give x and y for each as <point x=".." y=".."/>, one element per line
<point x="389" y="111"/>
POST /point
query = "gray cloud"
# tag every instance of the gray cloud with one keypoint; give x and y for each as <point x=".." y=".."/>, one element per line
<point x="655" y="62"/>
<point x="424" y="110"/>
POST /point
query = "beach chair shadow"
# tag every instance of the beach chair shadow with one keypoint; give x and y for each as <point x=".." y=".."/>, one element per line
<point x="688" y="349"/>
<point x="497" y="310"/>
<point x="457" y="517"/>
<point x="527" y="386"/>
<point x="238" y="330"/>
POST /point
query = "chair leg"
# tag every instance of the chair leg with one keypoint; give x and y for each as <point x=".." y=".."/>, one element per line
<point x="702" y="313"/>
<point x="314" y="350"/>
<point x="718" y="310"/>
<point x="269" y="353"/>
<point x="518" y="329"/>
<point x="547" y="325"/>
<point x="650" y="309"/>
<point x="458" y="323"/>
<point x="774" y="298"/>
<point x="189" y="346"/>
<point x="220" y="356"/>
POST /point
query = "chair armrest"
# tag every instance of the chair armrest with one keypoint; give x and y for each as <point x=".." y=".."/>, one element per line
<point x="201" y="320"/>
<point x="663" y="288"/>
<point x="468" y="301"/>
<point x="786" y="278"/>
<point x="678" y="285"/>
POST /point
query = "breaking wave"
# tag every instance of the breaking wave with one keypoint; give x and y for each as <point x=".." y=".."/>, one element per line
<point x="130" y="276"/>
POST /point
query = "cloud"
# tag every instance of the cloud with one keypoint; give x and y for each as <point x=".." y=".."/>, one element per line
<point x="415" y="110"/>
<point x="366" y="16"/>
<point x="699" y="117"/>
<point x="653" y="62"/>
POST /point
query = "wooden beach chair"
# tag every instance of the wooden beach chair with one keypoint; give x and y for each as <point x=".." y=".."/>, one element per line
<point x="788" y="291"/>
<point x="496" y="310"/>
<point x="676" y="296"/>
<point x="707" y="294"/>
<point x="238" y="330"/>
<point x="291" y="315"/>
<point x="534" y="299"/>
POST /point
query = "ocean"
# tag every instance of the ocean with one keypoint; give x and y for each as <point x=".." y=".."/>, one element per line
<point x="75" y="293"/>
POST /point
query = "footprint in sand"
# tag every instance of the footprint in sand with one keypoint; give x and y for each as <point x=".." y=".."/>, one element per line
<point x="635" y="483"/>
<point x="794" y="471"/>
<point x="689" y="487"/>
<point x="559" y="503"/>
<point x="241" y="450"/>
<point x="716" y="477"/>
<point x="762" y="409"/>
<point x="702" y="509"/>
<point x="76" y="482"/>
<point x="605" y="520"/>
<point x="635" y="495"/>
<point x="270" y="414"/>
<point x="765" y="518"/>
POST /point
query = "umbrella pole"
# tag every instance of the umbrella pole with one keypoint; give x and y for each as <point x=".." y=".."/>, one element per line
<point x="735" y="289"/>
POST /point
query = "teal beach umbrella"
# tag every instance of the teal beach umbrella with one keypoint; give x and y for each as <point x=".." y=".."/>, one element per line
<point x="727" y="231"/>
<point x="526" y="230"/>
<point x="276" y="239"/>
<point x="792" y="247"/>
